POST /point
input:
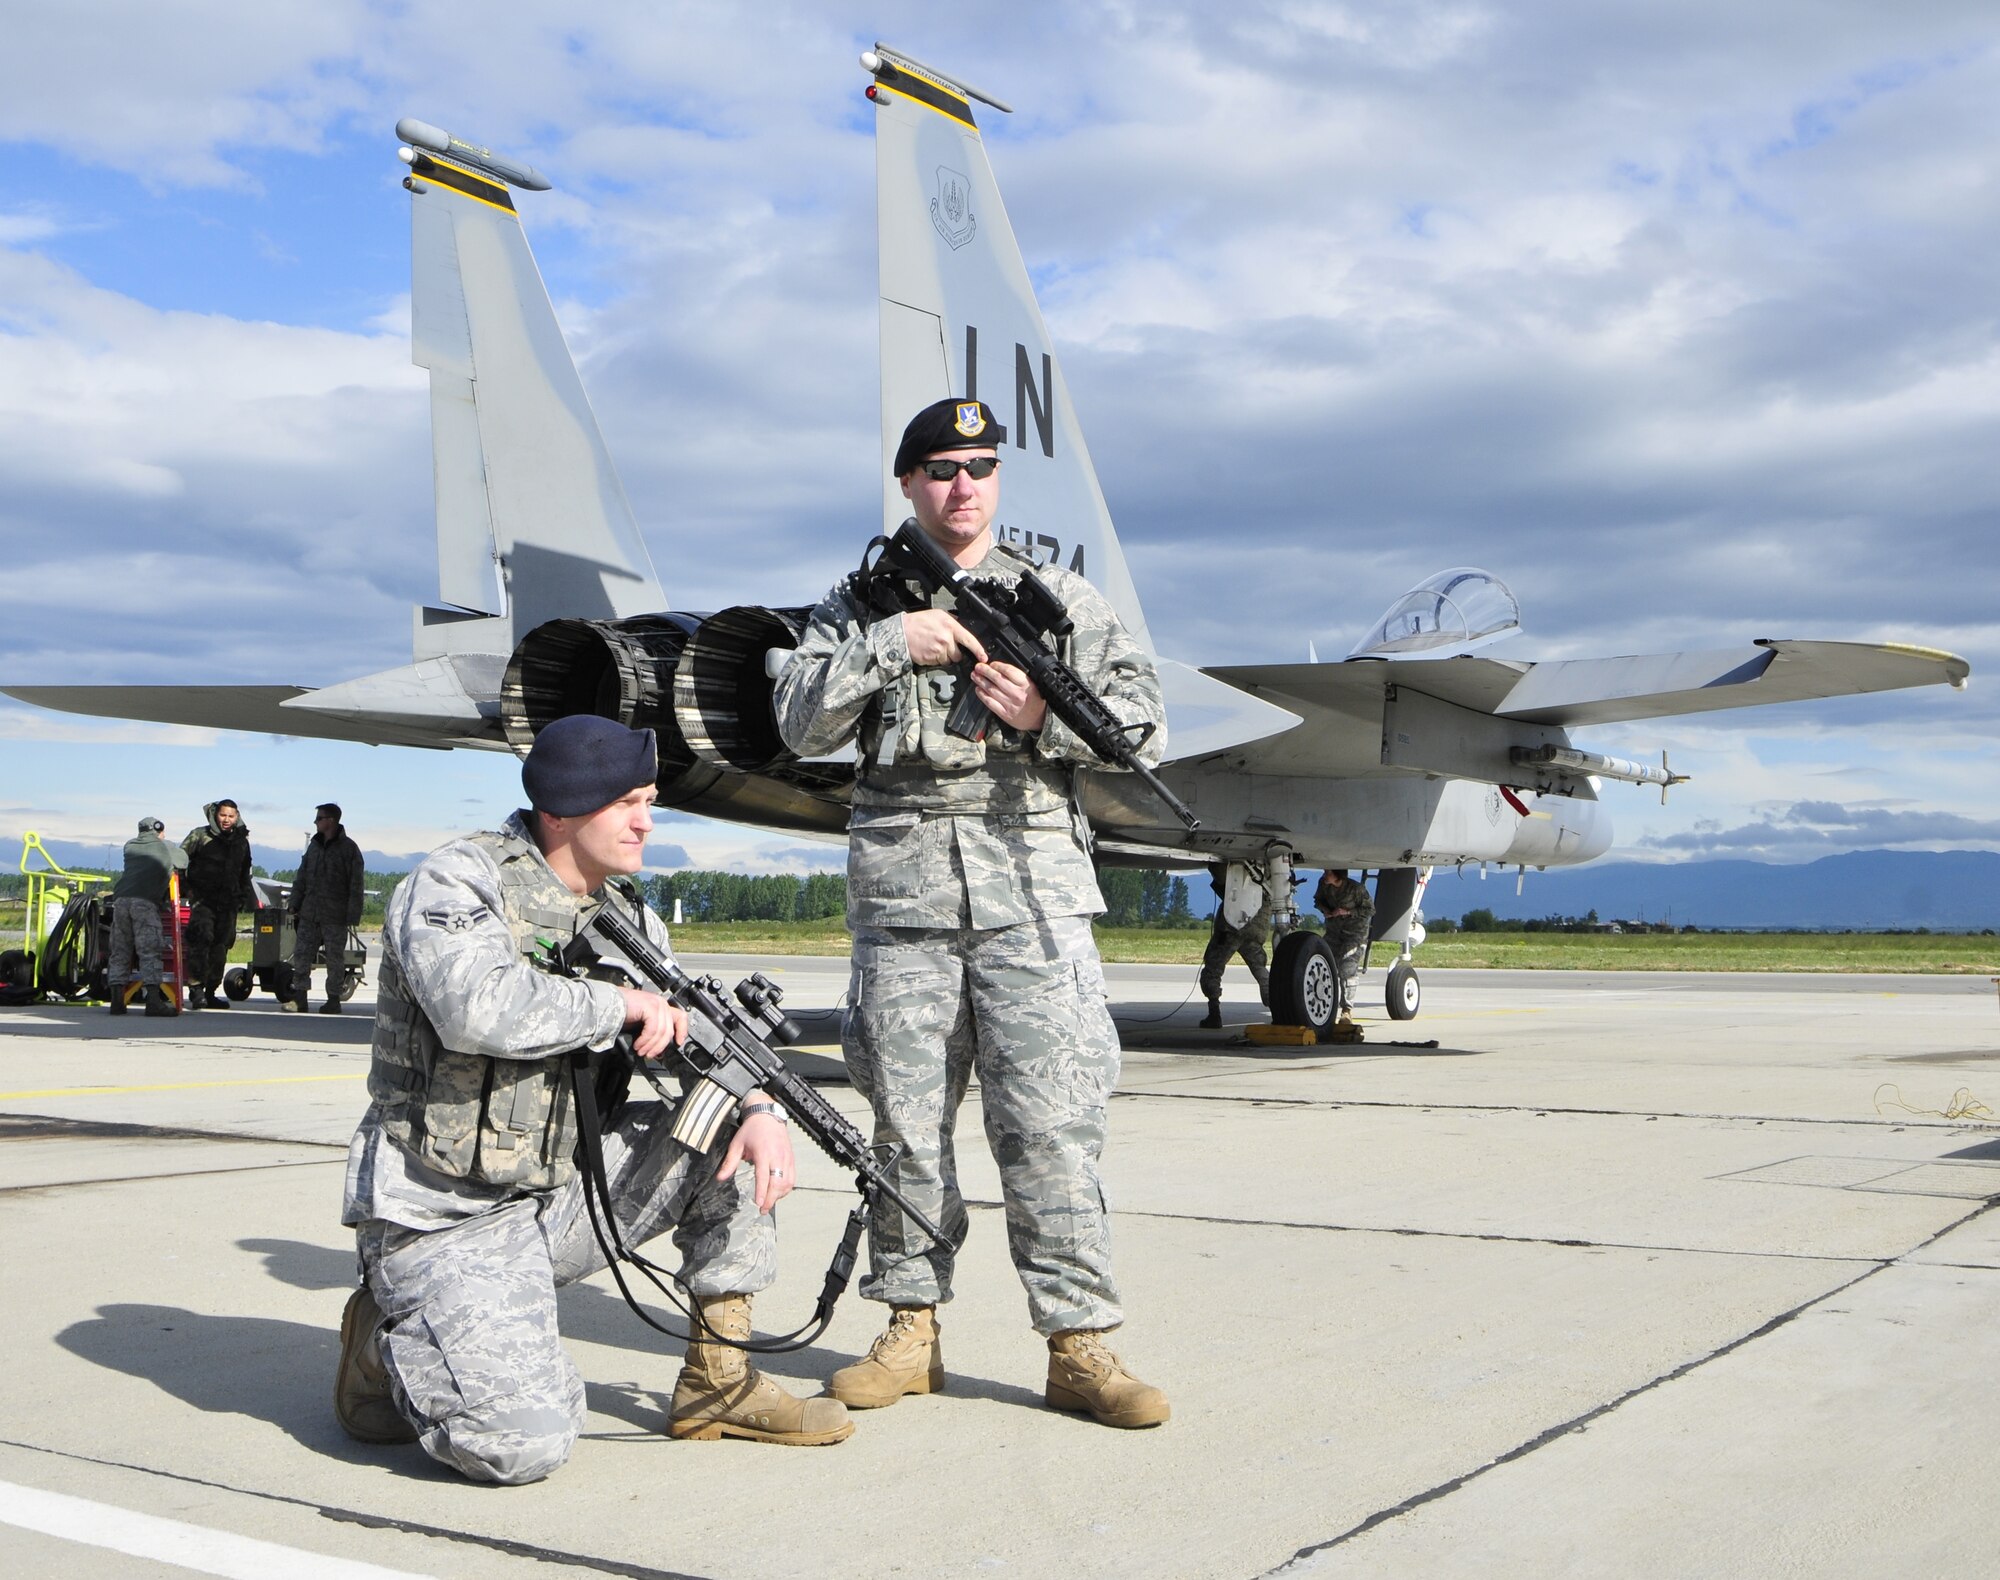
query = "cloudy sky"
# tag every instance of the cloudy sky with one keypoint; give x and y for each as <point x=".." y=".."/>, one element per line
<point x="1678" y="316"/>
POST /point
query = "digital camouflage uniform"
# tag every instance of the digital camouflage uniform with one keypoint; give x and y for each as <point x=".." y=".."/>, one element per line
<point x="218" y="889"/>
<point x="461" y="1183"/>
<point x="325" y="902"/>
<point x="138" y="936"/>
<point x="1252" y="941"/>
<point x="1345" y="933"/>
<point x="970" y="893"/>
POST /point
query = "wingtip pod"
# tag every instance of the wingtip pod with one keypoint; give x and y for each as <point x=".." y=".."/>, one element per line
<point x="436" y="140"/>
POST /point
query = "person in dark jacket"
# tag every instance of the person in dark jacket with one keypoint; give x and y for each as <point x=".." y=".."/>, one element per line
<point x="138" y="950"/>
<point x="325" y="903"/>
<point x="217" y="888"/>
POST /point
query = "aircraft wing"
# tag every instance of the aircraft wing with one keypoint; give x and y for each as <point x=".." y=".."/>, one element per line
<point x="1612" y="690"/>
<point x="1361" y="716"/>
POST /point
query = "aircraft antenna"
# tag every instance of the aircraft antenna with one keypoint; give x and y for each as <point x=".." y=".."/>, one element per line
<point x="872" y="62"/>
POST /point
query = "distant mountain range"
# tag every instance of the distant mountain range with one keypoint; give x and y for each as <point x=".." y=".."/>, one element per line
<point x="1868" y="889"/>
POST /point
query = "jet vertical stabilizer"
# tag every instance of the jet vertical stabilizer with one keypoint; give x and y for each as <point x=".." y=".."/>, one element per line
<point x="532" y="522"/>
<point x="959" y="319"/>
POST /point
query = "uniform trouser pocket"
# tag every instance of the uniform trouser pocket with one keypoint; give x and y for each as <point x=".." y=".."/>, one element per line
<point x="470" y="1338"/>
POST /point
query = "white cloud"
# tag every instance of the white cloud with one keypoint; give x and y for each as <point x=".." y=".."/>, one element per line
<point x="1675" y="316"/>
<point x="33" y="725"/>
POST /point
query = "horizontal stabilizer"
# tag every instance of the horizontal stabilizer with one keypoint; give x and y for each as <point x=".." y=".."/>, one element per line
<point x="397" y="708"/>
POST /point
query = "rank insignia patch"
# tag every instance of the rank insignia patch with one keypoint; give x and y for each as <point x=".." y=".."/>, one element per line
<point x="457" y="921"/>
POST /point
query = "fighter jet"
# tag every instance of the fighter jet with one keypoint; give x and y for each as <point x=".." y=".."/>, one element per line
<point x="1416" y="751"/>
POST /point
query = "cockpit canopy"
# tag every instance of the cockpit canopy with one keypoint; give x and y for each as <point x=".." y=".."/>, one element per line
<point x="1452" y="612"/>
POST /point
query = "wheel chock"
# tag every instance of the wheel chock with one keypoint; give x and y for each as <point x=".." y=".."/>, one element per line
<point x="1341" y="1032"/>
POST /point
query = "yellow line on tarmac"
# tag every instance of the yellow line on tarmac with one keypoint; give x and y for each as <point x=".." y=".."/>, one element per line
<point x="176" y="1086"/>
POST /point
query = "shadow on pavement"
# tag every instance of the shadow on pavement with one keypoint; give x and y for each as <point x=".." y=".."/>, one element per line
<point x="280" y="1372"/>
<point x="303" y="1265"/>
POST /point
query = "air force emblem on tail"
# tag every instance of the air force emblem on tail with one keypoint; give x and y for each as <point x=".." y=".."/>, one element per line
<point x="951" y="209"/>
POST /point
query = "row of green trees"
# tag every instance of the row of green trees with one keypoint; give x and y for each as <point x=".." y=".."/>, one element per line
<point x="1145" y="897"/>
<point x="1133" y="897"/>
<point x="735" y="897"/>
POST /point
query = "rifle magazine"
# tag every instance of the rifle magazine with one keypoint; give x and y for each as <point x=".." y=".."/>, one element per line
<point x="701" y="1115"/>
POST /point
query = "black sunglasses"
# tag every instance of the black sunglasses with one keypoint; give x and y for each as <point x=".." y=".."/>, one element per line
<point x="979" y="468"/>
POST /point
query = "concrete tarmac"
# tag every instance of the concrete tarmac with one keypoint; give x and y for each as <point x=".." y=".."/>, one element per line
<point x="1576" y="1274"/>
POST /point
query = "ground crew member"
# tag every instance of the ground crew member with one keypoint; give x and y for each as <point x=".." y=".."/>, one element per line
<point x="217" y="887"/>
<point x="461" y="1182"/>
<point x="136" y="898"/>
<point x="1251" y="941"/>
<point x="325" y="903"/>
<point x="1345" y="906"/>
<point x="970" y="893"/>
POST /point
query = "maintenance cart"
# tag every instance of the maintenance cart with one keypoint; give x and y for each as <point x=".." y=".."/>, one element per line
<point x="271" y="939"/>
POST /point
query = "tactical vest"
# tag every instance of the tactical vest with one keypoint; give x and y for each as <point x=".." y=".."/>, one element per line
<point x="904" y="757"/>
<point x="492" y="1121"/>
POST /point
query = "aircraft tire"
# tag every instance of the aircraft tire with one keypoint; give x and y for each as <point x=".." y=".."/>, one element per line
<point x="1305" y="988"/>
<point x="1405" y="991"/>
<point x="236" y="984"/>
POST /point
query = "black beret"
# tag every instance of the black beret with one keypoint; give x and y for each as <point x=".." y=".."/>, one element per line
<point x="582" y="762"/>
<point x="948" y="425"/>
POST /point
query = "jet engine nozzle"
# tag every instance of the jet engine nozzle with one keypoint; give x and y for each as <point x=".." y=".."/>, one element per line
<point x="702" y="684"/>
<point x="620" y="669"/>
<point x="723" y="685"/>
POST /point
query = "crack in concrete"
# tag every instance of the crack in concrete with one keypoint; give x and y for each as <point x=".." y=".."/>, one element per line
<point x="1538" y="1109"/>
<point x="1301" y="1561"/>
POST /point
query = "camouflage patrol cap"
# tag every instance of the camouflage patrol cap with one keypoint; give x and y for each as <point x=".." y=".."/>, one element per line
<point x="948" y="425"/>
<point x="582" y="762"/>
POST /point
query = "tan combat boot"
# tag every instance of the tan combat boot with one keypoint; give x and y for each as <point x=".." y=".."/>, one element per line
<point x="719" y="1394"/>
<point x="906" y="1358"/>
<point x="1085" y="1375"/>
<point x="361" y="1397"/>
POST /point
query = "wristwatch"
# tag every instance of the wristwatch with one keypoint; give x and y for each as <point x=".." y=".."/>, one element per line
<point x="772" y="1109"/>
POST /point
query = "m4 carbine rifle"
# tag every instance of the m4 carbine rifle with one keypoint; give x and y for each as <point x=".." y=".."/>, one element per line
<point x="729" y="1047"/>
<point x="1011" y="623"/>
